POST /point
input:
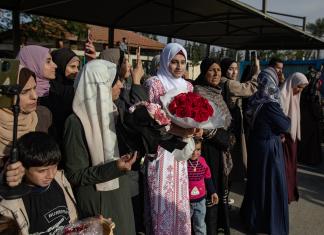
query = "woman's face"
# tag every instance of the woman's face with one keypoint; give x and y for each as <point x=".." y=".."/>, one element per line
<point x="49" y="68"/>
<point x="116" y="90"/>
<point x="213" y="75"/>
<point x="125" y="68"/>
<point x="232" y="71"/>
<point x="72" y="69"/>
<point x="299" y="89"/>
<point x="177" y="66"/>
<point x="28" y="97"/>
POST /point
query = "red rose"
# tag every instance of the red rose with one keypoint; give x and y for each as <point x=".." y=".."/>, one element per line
<point x="191" y="105"/>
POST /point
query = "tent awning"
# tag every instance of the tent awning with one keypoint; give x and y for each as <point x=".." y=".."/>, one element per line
<point x="226" y="23"/>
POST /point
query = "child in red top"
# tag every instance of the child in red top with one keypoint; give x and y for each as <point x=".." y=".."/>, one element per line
<point x="199" y="180"/>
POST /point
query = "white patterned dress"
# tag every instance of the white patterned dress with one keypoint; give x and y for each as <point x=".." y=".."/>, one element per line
<point x="167" y="182"/>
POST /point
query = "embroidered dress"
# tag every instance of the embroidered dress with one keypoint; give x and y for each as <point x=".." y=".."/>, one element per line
<point x="167" y="182"/>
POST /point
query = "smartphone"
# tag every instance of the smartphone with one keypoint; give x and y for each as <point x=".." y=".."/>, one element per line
<point x="8" y="77"/>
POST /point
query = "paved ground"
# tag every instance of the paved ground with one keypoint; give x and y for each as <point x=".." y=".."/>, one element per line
<point x="306" y="217"/>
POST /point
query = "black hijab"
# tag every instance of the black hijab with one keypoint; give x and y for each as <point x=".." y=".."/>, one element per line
<point x="212" y="93"/>
<point x="61" y="58"/>
<point x="225" y="64"/>
<point x="61" y="93"/>
<point x="204" y="66"/>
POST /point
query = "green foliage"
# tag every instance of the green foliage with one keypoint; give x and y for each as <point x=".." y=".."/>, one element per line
<point x="46" y="28"/>
<point x="285" y="54"/>
<point x="317" y="28"/>
<point x="43" y="28"/>
<point x="196" y="52"/>
<point x="151" y="36"/>
<point x="78" y="29"/>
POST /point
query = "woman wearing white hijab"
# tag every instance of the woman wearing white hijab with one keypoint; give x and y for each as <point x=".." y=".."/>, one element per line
<point x="167" y="178"/>
<point x="290" y="97"/>
<point x="92" y="161"/>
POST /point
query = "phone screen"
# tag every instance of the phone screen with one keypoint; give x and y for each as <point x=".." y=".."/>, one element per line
<point x="8" y="77"/>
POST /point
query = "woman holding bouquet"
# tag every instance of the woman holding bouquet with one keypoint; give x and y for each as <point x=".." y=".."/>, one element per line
<point x="167" y="178"/>
<point x="215" y="152"/>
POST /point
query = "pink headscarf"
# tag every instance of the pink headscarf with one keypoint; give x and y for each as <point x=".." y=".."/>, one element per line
<point x="290" y="102"/>
<point x="34" y="57"/>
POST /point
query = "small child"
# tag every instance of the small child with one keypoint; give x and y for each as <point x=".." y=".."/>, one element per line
<point x="50" y="206"/>
<point x="199" y="181"/>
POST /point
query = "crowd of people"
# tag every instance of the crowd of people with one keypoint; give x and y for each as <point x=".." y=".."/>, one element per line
<point x="80" y="157"/>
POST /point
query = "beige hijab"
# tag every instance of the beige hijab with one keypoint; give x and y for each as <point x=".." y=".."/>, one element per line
<point x="94" y="106"/>
<point x="290" y="102"/>
<point x="26" y="123"/>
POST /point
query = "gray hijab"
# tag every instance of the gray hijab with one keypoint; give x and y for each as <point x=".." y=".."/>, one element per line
<point x="111" y="54"/>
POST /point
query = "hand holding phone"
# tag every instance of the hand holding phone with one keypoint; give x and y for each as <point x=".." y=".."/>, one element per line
<point x="90" y="50"/>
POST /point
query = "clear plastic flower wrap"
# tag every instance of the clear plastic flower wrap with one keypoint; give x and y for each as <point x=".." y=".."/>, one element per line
<point x="89" y="226"/>
<point x="190" y="110"/>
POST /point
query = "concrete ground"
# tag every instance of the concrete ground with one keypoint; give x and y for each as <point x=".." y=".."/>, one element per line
<point x="306" y="217"/>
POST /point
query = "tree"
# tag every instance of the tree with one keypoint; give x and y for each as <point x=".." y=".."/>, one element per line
<point x="151" y="36"/>
<point x="317" y="29"/>
<point x="43" y="28"/>
<point x="46" y="28"/>
<point x="197" y="52"/>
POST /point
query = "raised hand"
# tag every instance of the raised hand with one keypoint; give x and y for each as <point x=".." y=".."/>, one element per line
<point x="90" y="50"/>
<point x="138" y="72"/>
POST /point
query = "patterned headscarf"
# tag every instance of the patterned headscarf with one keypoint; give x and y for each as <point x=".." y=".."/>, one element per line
<point x="34" y="57"/>
<point x="268" y="91"/>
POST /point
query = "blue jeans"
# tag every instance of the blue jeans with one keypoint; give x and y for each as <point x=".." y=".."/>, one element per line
<point x="198" y="213"/>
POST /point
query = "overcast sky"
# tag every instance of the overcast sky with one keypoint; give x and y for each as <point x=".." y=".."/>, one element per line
<point x="312" y="9"/>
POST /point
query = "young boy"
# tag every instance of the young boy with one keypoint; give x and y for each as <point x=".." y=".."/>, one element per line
<point x="199" y="181"/>
<point x="51" y="205"/>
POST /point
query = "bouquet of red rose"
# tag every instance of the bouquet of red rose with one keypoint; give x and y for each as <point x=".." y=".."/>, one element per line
<point x="190" y="110"/>
<point x="191" y="105"/>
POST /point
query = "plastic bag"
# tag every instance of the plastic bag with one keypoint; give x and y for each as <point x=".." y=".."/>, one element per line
<point x="186" y="152"/>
